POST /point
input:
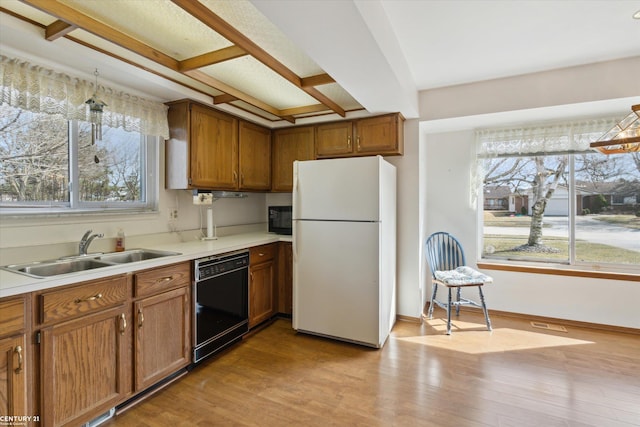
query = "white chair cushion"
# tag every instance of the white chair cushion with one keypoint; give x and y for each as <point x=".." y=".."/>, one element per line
<point x="463" y="275"/>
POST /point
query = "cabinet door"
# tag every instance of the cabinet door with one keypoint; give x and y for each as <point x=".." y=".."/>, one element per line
<point x="255" y="157"/>
<point x="213" y="149"/>
<point x="289" y="145"/>
<point x="85" y="367"/>
<point x="162" y="330"/>
<point x="334" y="139"/>
<point x="13" y="376"/>
<point x="378" y="135"/>
<point x="261" y="292"/>
<point x="285" y="278"/>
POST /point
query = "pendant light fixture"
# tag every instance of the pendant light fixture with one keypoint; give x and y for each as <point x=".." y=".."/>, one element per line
<point x="95" y="113"/>
<point x="624" y="137"/>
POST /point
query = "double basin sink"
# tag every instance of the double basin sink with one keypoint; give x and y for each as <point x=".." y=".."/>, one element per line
<point x="42" y="269"/>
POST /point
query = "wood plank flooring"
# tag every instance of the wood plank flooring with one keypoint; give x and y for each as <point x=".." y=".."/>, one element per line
<point x="515" y="376"/>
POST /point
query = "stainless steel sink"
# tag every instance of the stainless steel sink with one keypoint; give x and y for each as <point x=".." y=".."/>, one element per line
<point x="133" y="255"/>
<point x="55" y="268"/>
<point x="41" y="269"/>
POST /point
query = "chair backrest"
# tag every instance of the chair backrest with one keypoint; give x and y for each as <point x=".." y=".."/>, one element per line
<point x="443" y="252"/>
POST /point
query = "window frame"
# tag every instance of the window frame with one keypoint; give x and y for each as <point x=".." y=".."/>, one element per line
<point x="149" y="159"/>
<point x="571" y="265"/>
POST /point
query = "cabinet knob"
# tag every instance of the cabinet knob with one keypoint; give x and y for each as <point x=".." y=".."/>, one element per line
<point x="140" y="318"/>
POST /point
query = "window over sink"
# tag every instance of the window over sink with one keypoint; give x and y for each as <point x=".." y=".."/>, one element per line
<point x="49" y="164"/>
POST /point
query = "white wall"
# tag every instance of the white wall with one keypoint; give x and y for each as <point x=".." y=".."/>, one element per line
<point x="448" y="117"/>
<point x="409" y="231"/>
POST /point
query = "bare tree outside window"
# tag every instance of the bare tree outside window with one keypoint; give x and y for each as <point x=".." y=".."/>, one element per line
<point x="110" y="170"/>
<point x="34" y="157"/>
<point x="40" y="153"/>
<point x="544" y="196"/>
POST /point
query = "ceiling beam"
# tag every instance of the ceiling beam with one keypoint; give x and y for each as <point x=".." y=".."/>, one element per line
<point x="211" y="58"/>
<point x="79" y="20"/>
<point x="57" y="29"/>
<point x="70" y="19"/>
<point x="224" y="99"/>
<point x="211" y="81"/>
<point x="304" y="110"/>
<point x="213" y="21"/>
<point x="317" y="80"/>
<point x="97" y="28"/>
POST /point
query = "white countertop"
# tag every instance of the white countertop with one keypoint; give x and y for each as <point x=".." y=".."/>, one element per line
<point x="14" y="283"/>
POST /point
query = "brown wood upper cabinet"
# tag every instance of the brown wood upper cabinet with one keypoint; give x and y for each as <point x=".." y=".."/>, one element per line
<point x="209" y="149"/>
<point x="290" y="144"/>
<point x="255" y="157"/>
<point x="381" y="135"/>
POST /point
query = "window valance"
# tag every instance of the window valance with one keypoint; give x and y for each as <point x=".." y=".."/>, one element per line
<point x="561" y="138"/>
<point x="38" y="89"/>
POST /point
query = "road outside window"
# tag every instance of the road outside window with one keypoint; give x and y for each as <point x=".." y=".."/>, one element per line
<point x="578" y="209"/>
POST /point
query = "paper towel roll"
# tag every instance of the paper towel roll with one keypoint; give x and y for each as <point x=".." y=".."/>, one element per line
<point x="209" y="223"/>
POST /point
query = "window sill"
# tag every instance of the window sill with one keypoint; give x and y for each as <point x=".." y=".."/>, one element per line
<point x="560" y="271"/>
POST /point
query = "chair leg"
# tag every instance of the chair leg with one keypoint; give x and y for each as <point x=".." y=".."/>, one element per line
<point x="433" y="296"/>
<point x="449" y="313"/>
<point x="484" y="309"/>
<point x="458" y="299"/>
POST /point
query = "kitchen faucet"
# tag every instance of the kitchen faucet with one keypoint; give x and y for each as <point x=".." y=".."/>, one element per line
<point x="86" y="241"/>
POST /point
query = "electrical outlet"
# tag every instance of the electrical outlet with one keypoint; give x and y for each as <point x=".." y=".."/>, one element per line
<point x="173" y="214"/>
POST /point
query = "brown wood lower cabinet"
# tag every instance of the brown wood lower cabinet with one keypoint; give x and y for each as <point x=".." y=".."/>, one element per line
<point x="103" y="341"/>
<point x="285" y="278"/>
<point x="14" y="357"/>
<point x="84" y="366"/>
<point x="262" y="302"/>
<point x="162" y="344"/>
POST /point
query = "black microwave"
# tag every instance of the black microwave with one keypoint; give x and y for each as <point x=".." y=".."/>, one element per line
<point x="280" y="220"/>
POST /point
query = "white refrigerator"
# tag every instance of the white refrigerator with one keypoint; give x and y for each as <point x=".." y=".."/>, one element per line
<point x="344" y="249"/>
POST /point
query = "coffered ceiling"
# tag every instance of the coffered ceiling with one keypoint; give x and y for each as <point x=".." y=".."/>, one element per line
<point x="277" y="62"/>
<point x="225" y="49"/>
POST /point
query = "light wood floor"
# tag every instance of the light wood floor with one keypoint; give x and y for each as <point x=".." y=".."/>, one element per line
<point x="516" y="376"/>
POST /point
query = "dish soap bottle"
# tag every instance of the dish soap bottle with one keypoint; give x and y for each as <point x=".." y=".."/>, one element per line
<point x="120" y="240"/>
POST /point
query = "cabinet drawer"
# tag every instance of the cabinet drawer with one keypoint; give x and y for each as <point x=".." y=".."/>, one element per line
<point x="13" y="316"/>
<point x="82" y="299"/>
<point x="262" y="253"/>
<point x="160" y="279"/>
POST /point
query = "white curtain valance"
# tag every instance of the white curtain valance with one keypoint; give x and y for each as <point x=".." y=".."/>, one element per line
<point x="37" y="89"/>
<point x="570" y="137"/>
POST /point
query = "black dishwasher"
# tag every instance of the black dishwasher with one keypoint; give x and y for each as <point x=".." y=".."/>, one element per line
<point x="221" y="312"/>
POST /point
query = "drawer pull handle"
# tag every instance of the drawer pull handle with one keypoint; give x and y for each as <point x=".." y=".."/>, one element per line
<point x="165" y="279"/>
<point x="123" y="323"/>
<point x="140" y="318"/>
<point x="93" y="298"/>
<point x="261" y="254"/>
<point x="18" y="351"/>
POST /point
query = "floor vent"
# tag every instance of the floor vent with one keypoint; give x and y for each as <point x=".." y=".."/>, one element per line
<point x="549" y="326"/>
